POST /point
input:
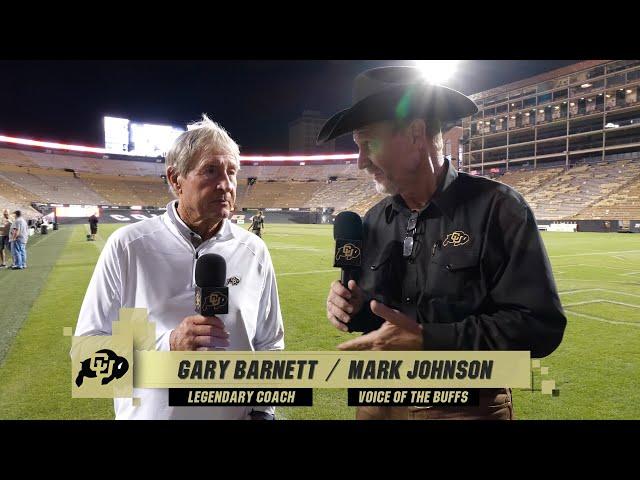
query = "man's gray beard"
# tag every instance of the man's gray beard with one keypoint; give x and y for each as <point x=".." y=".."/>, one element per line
<point x="384" y="189"/>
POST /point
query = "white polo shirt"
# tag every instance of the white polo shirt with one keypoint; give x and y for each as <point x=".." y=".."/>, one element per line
<point x="151" y="264"/>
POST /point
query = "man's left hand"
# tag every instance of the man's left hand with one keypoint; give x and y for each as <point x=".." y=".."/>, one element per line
<point x="398" y="332"/>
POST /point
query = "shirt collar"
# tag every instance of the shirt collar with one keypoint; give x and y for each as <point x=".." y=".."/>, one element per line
<point x="189" y="235"/>
<point x="443" y="198"/>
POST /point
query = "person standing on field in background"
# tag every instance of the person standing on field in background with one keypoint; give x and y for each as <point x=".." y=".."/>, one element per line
<point x="257" y="224"/>
<point x="5" y="228"/>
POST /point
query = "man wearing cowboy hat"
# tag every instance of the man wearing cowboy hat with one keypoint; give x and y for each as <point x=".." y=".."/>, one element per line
<point x="450" y="261"/>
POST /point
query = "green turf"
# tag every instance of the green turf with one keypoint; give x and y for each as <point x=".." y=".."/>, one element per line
<point x="597" y="365"/>
<point x="595" y="368"/>
<point x="35" y="376"/>
<point x="20" y="288"/>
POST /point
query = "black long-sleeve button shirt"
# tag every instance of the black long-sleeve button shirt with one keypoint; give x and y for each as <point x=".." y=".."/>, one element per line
<point x="478" y="277"/>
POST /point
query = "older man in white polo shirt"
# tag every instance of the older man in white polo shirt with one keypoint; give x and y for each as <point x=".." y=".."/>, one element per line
<point x="151" y="265"/>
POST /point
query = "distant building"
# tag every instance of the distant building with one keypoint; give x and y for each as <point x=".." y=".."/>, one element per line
<point x="585" y="112"/>
<point x="303" y="133"/>
<point x="452" y="147"/>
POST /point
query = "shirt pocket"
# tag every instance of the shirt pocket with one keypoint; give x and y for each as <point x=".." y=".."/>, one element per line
<point x="387" y="272"/>
<point x="453" y="271"/>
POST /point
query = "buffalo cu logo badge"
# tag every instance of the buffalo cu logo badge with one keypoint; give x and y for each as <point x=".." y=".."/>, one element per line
<point x="348" y="251"/>
<point x="215" y="299"/>
<point x="105" y="364"/>
<point x="233" y="281"/>
<point x="456" y="239"/>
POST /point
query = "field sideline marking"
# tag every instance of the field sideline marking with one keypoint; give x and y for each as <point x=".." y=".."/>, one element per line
<point x="598" y="290"/>
<point x="594" y="253"/>
<point x="594" y="266"/>
<point x="602" y="319"/>
<point x="601" y="300"/>
<point x="567" y="279"/>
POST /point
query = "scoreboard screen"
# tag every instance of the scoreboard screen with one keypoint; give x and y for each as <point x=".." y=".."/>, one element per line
<point x="152" y="140"/>
<point x="141" y="139"/>
<point x="77" y="211"/>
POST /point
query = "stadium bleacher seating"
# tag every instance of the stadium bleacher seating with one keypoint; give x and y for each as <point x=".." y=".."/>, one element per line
<point x="596" y="190"/>
<point x="128" y="190"/>
<point x="624" y="204"/>
<point x="567" y="194"/>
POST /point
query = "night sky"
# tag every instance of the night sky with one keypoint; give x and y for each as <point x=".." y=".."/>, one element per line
<point x="64" y="101"/>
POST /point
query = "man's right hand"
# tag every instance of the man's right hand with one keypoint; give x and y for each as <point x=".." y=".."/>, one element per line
<point x="199" y="333"/>
<point x="343" y="304"/>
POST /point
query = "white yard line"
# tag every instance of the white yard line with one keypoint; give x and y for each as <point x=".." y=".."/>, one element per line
<point x="566" y="279"/>
<point x="594" y="253"/>
<point x="583" y="290"/>
<point x="601" y="300"/>
<point x="587" y="265"/>
<point x="600" y="319"/>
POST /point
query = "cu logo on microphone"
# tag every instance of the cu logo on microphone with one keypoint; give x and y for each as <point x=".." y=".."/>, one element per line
<point x="215" y="299"/>
<point x="348" y="251"/>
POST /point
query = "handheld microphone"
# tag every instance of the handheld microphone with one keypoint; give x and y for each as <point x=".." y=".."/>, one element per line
<point x="347" y="232"/>
<point x="212" y="296"/>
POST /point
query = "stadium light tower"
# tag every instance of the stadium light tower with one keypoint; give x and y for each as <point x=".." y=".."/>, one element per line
<point x="437" y="71"/>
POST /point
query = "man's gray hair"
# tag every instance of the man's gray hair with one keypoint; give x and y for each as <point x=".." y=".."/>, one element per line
<point x="202" y="137"/>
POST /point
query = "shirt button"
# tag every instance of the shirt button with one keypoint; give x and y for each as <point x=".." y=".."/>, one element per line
<point x="448" y="267"/>
<point x="407" y="300"/>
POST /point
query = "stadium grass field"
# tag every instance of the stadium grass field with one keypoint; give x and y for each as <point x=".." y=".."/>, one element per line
<point x="596" y="368"/>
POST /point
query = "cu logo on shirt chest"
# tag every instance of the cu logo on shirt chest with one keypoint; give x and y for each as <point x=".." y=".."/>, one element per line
<point x="456" y="239"/>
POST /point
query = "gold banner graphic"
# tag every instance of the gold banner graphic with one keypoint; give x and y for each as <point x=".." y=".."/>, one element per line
<point x="477" y="369"/>
<point x="111" y="366"/>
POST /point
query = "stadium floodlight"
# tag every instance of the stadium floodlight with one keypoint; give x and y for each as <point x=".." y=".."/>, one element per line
<point x="437" y="71"/>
